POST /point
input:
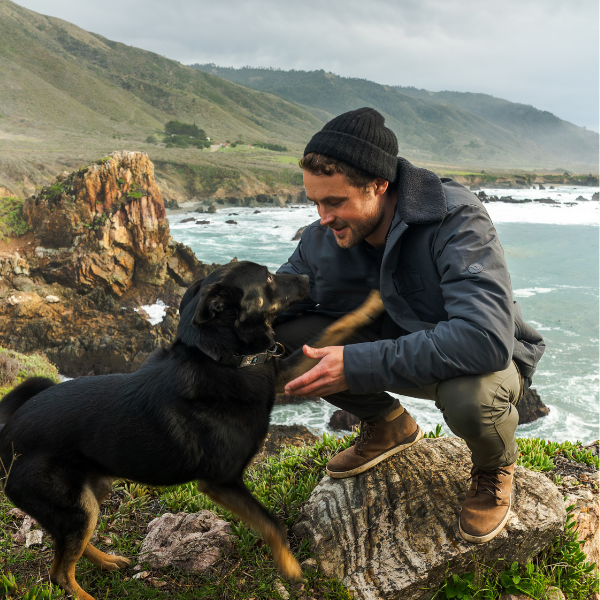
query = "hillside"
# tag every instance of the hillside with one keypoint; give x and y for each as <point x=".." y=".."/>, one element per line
<point x="444" y="127"/>
<point x="67" y="95"/>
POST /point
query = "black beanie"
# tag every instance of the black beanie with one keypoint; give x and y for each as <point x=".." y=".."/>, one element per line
<point x="359" y="138"/>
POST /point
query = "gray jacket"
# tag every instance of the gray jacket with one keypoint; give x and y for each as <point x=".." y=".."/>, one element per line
<point x="443" y="280"/>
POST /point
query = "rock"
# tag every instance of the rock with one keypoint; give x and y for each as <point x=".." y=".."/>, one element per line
<point x="595" y="196"/>
<point x="309" y="565"/>
<point x="392" y="532"/>
<point x="171" y="204"/>
<point x="33" y="538"/>
<point x="212" y="209"/>
<point x="553" y="593"/>
<point x="546" y="201"/>
<point x="52" y="299"/>
<point x="551" y="187"/>
<point x="202" y="222"/>
<point x="299" y="233"/>
<point x="541" y="187"/>
<point x="21" y="536"/>
<point x="256" y="212"/>
<point x="531" y="408"/>
<point x="231" y="222"/>
<point x="189" y="220"/>
<point x="191" y="542"/>
<point x="23" y="283"/>
<point x="475" y="188"/>
<point x="587" y="515"/>
<point x="581" y="199"/>
<point x="343" y="420"/>
<point x="103" y="226"/>
<point x="281" y="399"/>
<point x="285" y="435"/>
<point x="283" y="593"/>
<point x="17" y="513"/>
<point x="513" y="597"/>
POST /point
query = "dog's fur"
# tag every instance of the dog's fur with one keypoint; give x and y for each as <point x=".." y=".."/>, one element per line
<point x="182" y="416"/>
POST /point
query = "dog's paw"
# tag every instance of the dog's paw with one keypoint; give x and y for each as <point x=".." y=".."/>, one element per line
<point x="119" y="562"/>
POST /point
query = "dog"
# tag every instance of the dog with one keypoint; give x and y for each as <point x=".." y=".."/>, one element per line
<point x="197" y="410"/>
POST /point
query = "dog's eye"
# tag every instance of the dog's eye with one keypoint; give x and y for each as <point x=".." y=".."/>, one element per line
<point x="270" y="278"/>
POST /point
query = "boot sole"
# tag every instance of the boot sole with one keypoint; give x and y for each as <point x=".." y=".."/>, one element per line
<point x="482" y="539"/>
<point x="374" y="461"/>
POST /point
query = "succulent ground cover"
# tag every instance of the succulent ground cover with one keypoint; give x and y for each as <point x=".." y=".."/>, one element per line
<point x="282" y="482"/>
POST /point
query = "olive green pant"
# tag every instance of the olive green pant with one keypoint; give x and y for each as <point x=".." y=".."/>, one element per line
<point x="480" y="409"/>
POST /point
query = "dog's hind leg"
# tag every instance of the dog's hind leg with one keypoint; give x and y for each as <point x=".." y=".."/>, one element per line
<point x="57" y="497"/>
<point x="101" y="488"/>
<point x="236" y="498"/>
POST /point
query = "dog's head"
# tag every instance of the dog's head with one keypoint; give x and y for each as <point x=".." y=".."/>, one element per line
<point x="243" y="298"/>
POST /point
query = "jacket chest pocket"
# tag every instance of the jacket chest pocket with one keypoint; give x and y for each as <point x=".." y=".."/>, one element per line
<point x="407" y="282"/>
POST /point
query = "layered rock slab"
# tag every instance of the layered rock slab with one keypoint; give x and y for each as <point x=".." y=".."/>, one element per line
<point x="392" y="532"/>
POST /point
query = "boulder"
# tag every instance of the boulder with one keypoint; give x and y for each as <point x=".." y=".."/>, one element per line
<point x="299" y="233"/>
<point x="103" y="226"/>
<point x="531" y="408"/>
<point x="342" y="420"/>
<point x="587" y="515"/>
<point x="595" y="196"/>
<point x="191" y="542"/>
<point x="285" y="435"/>
<point x="392" y="532"/>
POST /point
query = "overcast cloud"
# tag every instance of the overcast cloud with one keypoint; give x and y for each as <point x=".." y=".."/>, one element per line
<point x="538" y="52"/>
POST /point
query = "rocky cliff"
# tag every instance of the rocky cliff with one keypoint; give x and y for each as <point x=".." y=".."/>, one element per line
<point x="99" y="248"/>
<point x="105" y="226"/>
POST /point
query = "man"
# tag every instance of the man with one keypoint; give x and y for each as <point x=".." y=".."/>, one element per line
<point x="451" y="332"/>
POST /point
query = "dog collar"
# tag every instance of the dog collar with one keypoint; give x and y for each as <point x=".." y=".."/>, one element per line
<point x="250" y="360"/>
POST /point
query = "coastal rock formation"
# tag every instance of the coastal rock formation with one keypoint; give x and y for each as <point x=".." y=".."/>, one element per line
<point x="392" y="532"/>
<point x="587" y="515"/>
<point x="531" y="408"/>
<point x="343" y="420"/>
<point x="191" y="542"/>
<point x="105" y="226"/>
<point x="285" y="435"/>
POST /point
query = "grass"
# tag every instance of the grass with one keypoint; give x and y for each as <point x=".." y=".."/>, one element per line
<point x="16" y="367"/>
<point x="12" y="223"/>
<point x="282" y="483"/>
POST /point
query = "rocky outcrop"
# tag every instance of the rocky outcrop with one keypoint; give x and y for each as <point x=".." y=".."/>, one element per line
<point x="342" y="420"/>
<point x="392" y="532"/>
<point x="285" y="435"/>
<point x="531" y="408"/>
<point x="587" y="516"/>
<point x="191" y="542"/>
<point x="298" y="234"/>
<point x="105" y="226"/>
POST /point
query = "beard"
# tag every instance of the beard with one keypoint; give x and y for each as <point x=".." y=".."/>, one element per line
<point x="356" y="232"/>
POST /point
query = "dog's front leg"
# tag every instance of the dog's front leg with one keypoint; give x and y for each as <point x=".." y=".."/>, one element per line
<point x="335" y="335"/>
<point x="236" y="498"/>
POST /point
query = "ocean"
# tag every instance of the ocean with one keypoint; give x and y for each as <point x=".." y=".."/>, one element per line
<point x="552" y="255"/>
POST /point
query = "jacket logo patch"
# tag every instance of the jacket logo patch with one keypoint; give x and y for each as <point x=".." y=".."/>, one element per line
<point x="475" y="268"/>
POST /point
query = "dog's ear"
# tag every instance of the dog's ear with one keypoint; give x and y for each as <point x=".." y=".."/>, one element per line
<point x="214" y="299"/>
<point x="190" y="293"/>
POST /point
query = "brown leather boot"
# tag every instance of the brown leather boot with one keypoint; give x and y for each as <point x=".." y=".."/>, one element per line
<point x="376" y="442"/>
<point x="487" y="505"/>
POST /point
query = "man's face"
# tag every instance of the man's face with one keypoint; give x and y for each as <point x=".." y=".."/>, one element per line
<point x="351" y="213"/>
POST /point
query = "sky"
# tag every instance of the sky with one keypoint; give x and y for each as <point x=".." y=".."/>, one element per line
<point x="538" y="52"/>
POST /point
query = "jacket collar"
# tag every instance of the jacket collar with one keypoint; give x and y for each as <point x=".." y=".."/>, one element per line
<point x="421" y="198"/>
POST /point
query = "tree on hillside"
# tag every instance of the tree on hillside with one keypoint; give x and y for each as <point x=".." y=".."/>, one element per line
<point x="179" y="128"/>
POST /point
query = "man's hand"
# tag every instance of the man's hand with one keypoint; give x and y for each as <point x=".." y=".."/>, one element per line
<point x="323" y="379"/>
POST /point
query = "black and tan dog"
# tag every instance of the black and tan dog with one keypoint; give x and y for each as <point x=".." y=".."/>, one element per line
<point x="195" y="411"/>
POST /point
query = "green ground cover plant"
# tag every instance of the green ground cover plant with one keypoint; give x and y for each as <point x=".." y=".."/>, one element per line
<point x="12" y="223"/>
<point x="281" y="482"/>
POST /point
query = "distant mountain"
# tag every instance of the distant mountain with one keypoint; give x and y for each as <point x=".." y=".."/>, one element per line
<point x="55" y="74"/>
<point x="445" y="126"/>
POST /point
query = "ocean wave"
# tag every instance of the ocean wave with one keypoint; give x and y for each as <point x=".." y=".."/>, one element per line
<point x="527" y="292"/>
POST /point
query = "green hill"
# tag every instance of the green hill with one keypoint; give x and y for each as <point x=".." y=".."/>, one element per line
<point x="67" y="94"/>
<point x="446" y="126"/>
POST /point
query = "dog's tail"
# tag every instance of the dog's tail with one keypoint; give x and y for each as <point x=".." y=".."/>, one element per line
<point x="11" y="403"/>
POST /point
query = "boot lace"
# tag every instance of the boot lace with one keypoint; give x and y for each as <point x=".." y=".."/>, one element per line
<point x="488" y="481"/>
<point x="366" y="433"/>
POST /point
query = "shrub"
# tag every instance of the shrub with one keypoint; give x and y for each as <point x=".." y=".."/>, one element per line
<point x="151" y="139"/>
<point x="16" y="368"/>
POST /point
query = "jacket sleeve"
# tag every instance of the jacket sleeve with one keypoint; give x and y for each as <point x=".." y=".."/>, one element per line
<point x="478" y="335"/>
<point x="298" y="265"/>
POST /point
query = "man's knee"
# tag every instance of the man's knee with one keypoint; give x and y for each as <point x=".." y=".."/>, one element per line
<point x="463" y="402"/>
